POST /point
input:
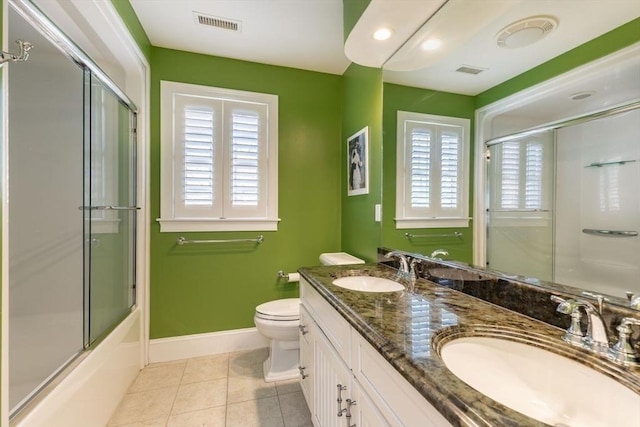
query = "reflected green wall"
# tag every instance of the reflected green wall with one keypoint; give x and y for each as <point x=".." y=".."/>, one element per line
<point x="207" y="288"/>
<point x="362" y="106"/>
<point x="608" y="43"/>
<point x="425" y="101"/>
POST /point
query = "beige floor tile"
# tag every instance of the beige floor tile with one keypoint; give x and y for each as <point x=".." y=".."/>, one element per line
<point x="211" y="417"/>
<point x="249" y="388"/>
<point x="248" y="363"/>
<point x="255" y="413"/>
<point x="155" y="377"/>
<point x="202" y="395"/>
<point x="206" y="368"/>
<point x="144" y="406"/>
<point x="290" y="386"/>
<point x="295" y="411"/>
<point x="157" y="422"/>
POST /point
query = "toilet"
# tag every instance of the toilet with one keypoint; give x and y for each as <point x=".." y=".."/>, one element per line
<point x="278" y="321"/>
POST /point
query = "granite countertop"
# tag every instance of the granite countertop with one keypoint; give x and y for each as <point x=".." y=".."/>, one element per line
<point x="408" y="329"/>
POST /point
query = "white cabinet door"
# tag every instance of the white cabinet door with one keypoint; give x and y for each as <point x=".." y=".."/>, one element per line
<point x="331" y="383"/>
<point x="307" y="333"/>
<point x="362" y="410"/>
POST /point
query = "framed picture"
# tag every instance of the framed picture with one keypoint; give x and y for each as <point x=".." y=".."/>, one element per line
<point x="358" y="163"/>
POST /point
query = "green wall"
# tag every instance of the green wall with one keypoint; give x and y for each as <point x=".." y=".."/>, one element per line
<point x="425" y="101"/>
<point x="362" y="106"/>
<point x="207" y="288"/>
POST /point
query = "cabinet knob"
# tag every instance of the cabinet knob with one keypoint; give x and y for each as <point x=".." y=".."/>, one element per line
<point x="303" y="329"/>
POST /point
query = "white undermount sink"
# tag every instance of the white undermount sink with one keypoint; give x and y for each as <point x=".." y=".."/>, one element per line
<point x="368" y="284"/>
<point x="540" y="384"/>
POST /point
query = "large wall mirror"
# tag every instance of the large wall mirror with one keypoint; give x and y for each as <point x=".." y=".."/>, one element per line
<point x="584" y="174"/>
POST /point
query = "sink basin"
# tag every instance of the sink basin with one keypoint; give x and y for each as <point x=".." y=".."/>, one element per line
<point x="540" y="384"/>
<point x="368" y="284"/>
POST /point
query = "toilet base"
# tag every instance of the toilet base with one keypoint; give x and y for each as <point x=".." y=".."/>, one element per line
<point x="283" y="360"/>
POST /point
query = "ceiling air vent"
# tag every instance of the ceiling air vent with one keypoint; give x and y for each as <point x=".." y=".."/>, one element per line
<point x="470" y="70"/>
<point x="216" y="21"/>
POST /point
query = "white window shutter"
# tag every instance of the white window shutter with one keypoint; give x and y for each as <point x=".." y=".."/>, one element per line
<point x="432" y="171"/>
<point x="197" y="152"/>
<point x="420" y="168"/>
<point x="450" y="169"/>
<point x="219" y="159"/>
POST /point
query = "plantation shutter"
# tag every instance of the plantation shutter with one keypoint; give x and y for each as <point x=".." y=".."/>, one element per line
<point x="521" y="180"/>
<point x="433" y="162"/>
<point x="420" y="168"/>
<point x="450" y="172"/>
<point x="247" y="160"/>
<point x="197" y="151"/>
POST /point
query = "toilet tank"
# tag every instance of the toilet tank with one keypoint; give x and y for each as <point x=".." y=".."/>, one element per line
<point x="339" y="258"/>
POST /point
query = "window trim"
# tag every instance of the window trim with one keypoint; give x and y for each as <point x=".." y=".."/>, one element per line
<point x="404" y="221"/>
<point x="168" y="190"/>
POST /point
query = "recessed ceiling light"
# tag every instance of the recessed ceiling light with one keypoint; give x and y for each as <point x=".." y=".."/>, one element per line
<point x="382" y="34"/>
<point x="526" y="31"/>
<point x="582" y="95"/>
<point x="431" y="44"/>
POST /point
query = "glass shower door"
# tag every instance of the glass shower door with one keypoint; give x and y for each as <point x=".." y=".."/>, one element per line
<point x="110" y="220"/>
<point x="520" y="215"/>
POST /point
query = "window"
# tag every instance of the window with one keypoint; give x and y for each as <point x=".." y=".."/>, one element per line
<point x="432" y="171"/>
<point x="219" y="159"/>
<point x="520" y="179"/>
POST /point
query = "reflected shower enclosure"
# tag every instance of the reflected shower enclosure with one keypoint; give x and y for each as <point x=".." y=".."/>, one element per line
<point x="71" y="213"/>
<point x="564" y="205"/>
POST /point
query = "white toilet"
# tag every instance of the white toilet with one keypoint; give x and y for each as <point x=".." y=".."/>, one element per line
<point x="279" y="320"/>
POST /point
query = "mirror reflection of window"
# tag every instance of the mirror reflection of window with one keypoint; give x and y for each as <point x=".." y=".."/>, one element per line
<point x="103" y="173"/>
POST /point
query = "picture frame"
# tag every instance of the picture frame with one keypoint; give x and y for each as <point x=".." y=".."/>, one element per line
<point x="358" y="163"/>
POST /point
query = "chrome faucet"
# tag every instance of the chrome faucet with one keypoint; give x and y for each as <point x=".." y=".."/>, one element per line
<point x="404" y="272"/>
<point x="623" y="352"/>
<point x="596" y="338"/>
<point x="437" y="252"/>
<point x="634" y="301"/>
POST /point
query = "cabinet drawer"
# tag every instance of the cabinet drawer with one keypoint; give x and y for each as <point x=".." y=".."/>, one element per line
<point x="334" y="326"/>
<point x="396" y="399"/>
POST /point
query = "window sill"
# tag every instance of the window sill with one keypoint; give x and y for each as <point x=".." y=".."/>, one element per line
<point x="239" y="224"/>
<point x="405" y="223"/>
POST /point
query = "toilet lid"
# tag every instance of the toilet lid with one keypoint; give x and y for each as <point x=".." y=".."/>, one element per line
<point x="281" y="309"/>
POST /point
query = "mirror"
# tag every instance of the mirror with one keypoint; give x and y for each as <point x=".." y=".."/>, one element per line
<point x="437" y="88"/>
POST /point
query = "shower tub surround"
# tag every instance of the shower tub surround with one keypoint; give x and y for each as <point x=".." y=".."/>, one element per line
<point x="408" y="329"/>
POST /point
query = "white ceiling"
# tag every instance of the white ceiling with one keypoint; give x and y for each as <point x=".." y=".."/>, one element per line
<point x="305" y="34"/>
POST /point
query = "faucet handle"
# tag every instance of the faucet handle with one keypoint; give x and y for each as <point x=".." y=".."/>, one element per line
<point x="623" y="352"/>
<point x="573" y="335"/>
<point x="600" y="299"/>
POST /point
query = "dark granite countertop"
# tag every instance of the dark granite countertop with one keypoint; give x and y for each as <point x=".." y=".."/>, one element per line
<point x="408" y="329"/>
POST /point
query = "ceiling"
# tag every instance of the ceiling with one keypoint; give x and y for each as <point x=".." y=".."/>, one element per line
<point x="308" y="34"/>
<point x="305" y="34"/>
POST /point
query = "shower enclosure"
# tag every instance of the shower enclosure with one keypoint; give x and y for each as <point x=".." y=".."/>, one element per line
<point x="72" y="210"/>
<point x="564" y="205"/>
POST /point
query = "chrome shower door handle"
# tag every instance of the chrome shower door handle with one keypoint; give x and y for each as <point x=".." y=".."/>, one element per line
<point x="109" y="208"/>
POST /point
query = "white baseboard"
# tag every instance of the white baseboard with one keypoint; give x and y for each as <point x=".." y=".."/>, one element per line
<point x="187" y="346"/>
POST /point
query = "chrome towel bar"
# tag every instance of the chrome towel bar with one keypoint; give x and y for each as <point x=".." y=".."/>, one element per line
<point x="183" y="241"/>
<point x="609" y="233"/>
<point x="423" y="236"/>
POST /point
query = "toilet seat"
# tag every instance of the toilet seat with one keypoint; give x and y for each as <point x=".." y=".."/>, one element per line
<point x="287" y="309"/>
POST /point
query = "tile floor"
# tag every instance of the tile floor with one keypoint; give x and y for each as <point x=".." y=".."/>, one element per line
<point x="224" y="390"/>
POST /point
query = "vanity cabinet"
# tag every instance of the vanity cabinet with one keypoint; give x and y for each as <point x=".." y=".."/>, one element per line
<point x="345" y="381"/>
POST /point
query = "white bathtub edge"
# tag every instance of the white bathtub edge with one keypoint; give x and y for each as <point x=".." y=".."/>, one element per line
<point x="90" y="393"/>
